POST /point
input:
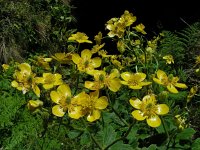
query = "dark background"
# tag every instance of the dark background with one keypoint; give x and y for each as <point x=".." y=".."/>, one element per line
<point x="170" y="15"/>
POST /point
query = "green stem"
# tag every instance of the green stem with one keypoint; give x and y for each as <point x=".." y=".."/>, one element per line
<point x="92" y="137"/>
<point x="122" y="120"/>
<point x="77" y="82"/>
<point x="121" y="138"/>
<point x="163" y="123"/>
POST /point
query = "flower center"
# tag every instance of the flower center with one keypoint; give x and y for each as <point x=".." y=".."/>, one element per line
<point x="63" y="102"/>
<point x="149" y="109"/>
<point x="133" y="82"/>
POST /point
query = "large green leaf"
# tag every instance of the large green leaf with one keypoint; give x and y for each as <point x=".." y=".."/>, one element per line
<point x="196" y="144"/>
<point x="106" y="136"/>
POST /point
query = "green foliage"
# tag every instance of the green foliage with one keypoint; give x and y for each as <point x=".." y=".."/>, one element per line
<point x="172" y="44"/>
<point x="29" y="26"/>
<point x="137" y="99"/>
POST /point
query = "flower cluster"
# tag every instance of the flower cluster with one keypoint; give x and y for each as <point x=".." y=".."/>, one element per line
<point x="78" y="82"/>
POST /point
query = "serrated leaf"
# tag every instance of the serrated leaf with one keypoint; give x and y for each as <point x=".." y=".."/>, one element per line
<point x="73" y="134"/>
<point x="132" y="136"/>
<point x="185" y="134"/>
<point x="169" y="124"/>
<point x="121" y="146"/>
<point x="151" y="147"/>
<point x="85" y="139"/>
<point x="106" y="136"/>
<point x="196" y="144"/>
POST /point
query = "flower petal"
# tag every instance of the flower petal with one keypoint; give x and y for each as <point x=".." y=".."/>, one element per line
<point x="161" y="74"/>
<point x="58" y="111"/>
<point x="96" y="62"/>
<point x="114" y="73"/>
<point x="39" y="80"/>
<point x="94" y="95"/>
<point x="14" y="84"/>
<point x="144" y="83"/>
<point x="95" y="115"/>
<point x="86" y="54"/>
<point x="80" y="98"/>
<point x="181" y="85"/>
<point x="101" y="103"/>
<point x="124" y="82"/>
<point x="154" y="121"/>
<point x="172" y="88"/>
<point x="55" y="97"/>
<point x="138" y="115"/>
<point x="114" y="84"/>
<point x="33" y="104"/>
<point x="141" y="75"/>
<point x="126" y="76"/>
<point x="158" y="81"/>
<point x="162" y="109"/>
<point x="91" y="85"/>
<point x="149" y="98"/>
<point x="75" y="112"/>
<point x="135" y="102"/>
<point x="47" y="86"/>
<point x="136" y="87"/>
<point x="65" y="90"/>
<point x="76" y="58"/>
<point x="58" y="78"/>
<point x="36" y="90"/>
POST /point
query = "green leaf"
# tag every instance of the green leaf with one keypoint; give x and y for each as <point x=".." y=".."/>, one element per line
<point x="196" y="144"/>
<point x="151" y="147"/>
<point x="85" y="139"/>
<point x="106" y="136"/>
<point x="73" y="134"/>
<point x="132" y="136"/>
<point x="169" y="124"/>
<point x="121" y="146"/>
<point x="185" y="134"/>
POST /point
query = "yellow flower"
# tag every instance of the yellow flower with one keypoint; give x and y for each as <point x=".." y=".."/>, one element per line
<point x="127" y="18"/>
<point x="117" y="63"/>
<point x="98" y="38"/>
<point x="181" y="122"/>
<point x="121" y="46"/>
<point x="89" y="105"/>
<point x="34" y="104"/>
<point x="34" y="86"/>
<point x="24" y="71"/>
<point x="170" y="82"/>
<point x="192" y="93"/>
<point x="22" y="77"/>
<point x="85" y="63"/>
<point x="198" y="59"/>
<point x="148" y="109"/>
<point x="96" y="48"/>
<point x="140" y="28"/>
<point x="103" y="53"/>
<point x="49" y="80"/>
<point x="80" y="38"/>
<point x="102" y="79"/>
<point x="5" y="67"/>
<point x="134" y="80"/>
<point x="63" y="58"/>
<point x="169" y="59"/>
<point x="44" y="62"/>
<point x="116" y="28"/>
<point x="25" y="79"/>
<point x="197" y="72"/>
<point x="62" y="98"/>
<point x="153" y="43"/>
<point x="21" y="86"/>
